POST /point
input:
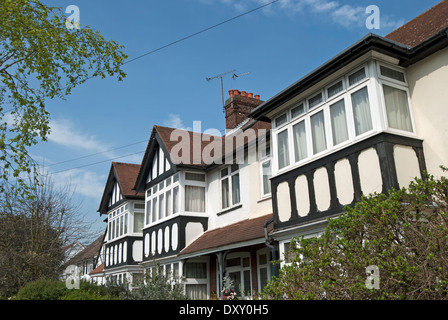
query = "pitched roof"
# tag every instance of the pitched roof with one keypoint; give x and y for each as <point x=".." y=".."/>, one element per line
<point x="422" y="27"/>
<point x="126" y="173"/>
<point x="91" y="251"/>
<point x="245" y="230"/>
<point x="97" y="270"/>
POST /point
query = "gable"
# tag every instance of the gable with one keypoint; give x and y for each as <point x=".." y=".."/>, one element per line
<point x="160" y="164"/>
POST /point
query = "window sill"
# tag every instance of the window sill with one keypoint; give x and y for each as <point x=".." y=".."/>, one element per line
<point x="229" y="210"/>
<point x="268" y="197"/>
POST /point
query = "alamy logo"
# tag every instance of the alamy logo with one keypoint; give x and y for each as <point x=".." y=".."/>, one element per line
<point x="72" y="21"/>
<point x="373" y="277"/>
<point x="373" y="20"/>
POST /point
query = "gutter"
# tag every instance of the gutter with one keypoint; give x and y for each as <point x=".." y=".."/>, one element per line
<point x="406" y="55"/>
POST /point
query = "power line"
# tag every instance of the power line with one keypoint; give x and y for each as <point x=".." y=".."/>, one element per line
<point x="94" y="154"/>
<point x="201" y="31"/>
<point x="94" y="163"/>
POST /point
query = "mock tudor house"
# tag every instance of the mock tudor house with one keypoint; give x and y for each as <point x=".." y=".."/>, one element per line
<point x="123" y="242"/>
<point x="207" y="200"/>
<point x="210" y="207"/>
<point x="371" y="118"/>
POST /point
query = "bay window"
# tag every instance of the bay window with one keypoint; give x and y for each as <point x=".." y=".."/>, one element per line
<point x="368" y="99"/>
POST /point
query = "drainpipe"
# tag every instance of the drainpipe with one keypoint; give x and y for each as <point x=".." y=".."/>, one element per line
<point x="268" y="243"/>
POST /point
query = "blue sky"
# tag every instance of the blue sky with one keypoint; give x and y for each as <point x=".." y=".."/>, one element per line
<point x="106" y="120"/>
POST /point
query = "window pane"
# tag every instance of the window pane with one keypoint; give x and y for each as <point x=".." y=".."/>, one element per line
<point x="148" y="211"/>
<point x="196" y="291"/>
<point x="297" y="111"/>
<point x="224" y="172"/>
<point x="175" y="199"/>
<point x="335" y="89"/>
<point x="338" y="122"/>
<point x="225" y="193"/>
<point x="361" y="111"/>
<point x="397" y="108"/>
<point x="281" y="120"/>
<point x="282" y="149"/>
<point x="357" y="76"/>
<point x="194" y="199"/>
<point x="168" y="203"/>
<point x="391" y="73"/>
<point x="318" y="132"/>
<point x="267" y="173"/>
<point x="154" y="209"/>
<point x="314" y="101"/>
<point x="161" y="206"/>
<point x="299" y="135"/>
<point x="236" y="188"/>
<point x="196" y="270"/>
<point x="138" y="222"/>
<point x="126" y="223"/>
<point x="263" y="278"/>
<point x="194" y="176"/>
<point x="121" y="226"/>
<point x="246" y="284"/>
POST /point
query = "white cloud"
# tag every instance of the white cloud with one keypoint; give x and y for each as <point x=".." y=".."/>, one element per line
<point x="174" y="121"/>
<point x="83" y="182"/>
<point x="346" y="15"/>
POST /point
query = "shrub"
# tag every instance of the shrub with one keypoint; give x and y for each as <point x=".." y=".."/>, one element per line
<point x="403" y="234"/>
<point x="42" y="290"/>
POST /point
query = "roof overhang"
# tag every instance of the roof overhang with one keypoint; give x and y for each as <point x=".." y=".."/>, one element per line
<point x="404" y="55"/>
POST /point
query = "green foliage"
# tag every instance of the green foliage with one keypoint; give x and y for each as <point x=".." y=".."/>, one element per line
<point x="57" y="290"/>
<point x="404" y="234"/>
<point x="157" y="286"/>
<point x="41" y="59"/>
<point x="42" y="290"/>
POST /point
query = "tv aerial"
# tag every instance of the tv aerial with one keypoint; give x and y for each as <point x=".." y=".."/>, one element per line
<point x="221" y="76"/>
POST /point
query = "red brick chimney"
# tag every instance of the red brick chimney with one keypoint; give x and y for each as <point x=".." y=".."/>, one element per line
<point x="238" y="106"/>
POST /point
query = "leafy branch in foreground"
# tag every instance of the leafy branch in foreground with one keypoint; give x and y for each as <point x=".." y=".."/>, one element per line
<point x="41" y="59"/>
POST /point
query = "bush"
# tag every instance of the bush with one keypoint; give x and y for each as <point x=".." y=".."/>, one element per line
<point x="57" y="290"/>
<point x="404" y="235"/>
<point x="42" y="290"/>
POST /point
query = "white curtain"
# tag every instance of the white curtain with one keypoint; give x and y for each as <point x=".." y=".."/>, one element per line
<point x="194" y="199"/>
<point x="196" y="291"/>
<point x="338" y="122"/>
<point x="236" y="188"/>
<point x="168" y="203"/>
<point x="299" y="134"/>
<point x="397" y="108"/>
<point x="361" y="111"/>
<point x="318" y="132"/>
<point x="225" y="193"/>
<point x="282" y="148"/>
<point x="267" y="173"/>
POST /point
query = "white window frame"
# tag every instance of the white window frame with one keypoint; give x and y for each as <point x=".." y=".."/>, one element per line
<point x="156" y="192"/>
<point x="373" y="82"/>
<point x="229" y="176"/>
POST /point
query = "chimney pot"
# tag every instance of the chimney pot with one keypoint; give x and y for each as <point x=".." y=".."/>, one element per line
<point x="257" y="96"/>
<point x="236" y="92"/>
<point x="250" y="94"/>
<point x="243" y="93"/>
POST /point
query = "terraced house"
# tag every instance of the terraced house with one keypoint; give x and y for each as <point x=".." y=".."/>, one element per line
<point x="371" y="118"/>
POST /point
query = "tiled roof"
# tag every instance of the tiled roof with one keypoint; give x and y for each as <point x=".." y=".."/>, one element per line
<point x="260" y="127"/>
<point x="422" y="27"/>
<point x="246" y="230"/>
<point x="97" y="270"/>
<point x="91" y="251"/>
<point x="126" y="174"/>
